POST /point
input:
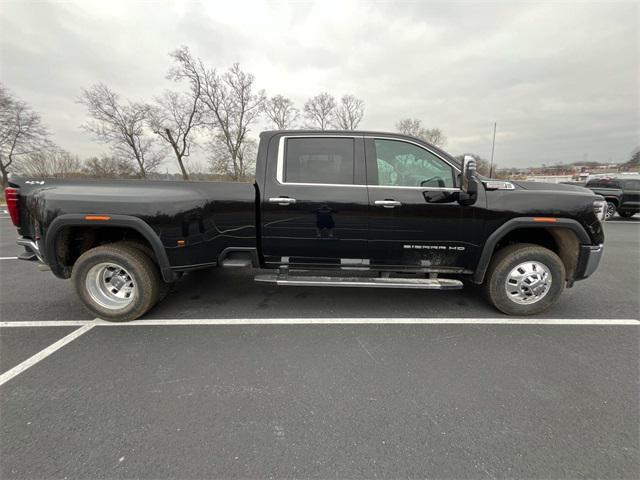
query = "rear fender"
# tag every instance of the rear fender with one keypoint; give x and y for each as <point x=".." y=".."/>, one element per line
<point x="78" y="220"/>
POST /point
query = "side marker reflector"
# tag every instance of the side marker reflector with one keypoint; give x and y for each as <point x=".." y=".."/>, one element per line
<point x="545" y="219"/>
<point x="97" y="217"/>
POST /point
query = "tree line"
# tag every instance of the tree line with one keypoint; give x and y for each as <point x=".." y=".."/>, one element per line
<point x="210" y="109"/>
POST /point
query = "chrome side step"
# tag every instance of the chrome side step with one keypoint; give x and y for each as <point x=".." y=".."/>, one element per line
<point x="382" y="282"/>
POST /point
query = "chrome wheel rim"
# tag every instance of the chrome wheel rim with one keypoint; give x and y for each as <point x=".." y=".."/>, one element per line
<point x="110" y="286"/>
<point x="528" y="283"/>
<point x="611" y="210"/>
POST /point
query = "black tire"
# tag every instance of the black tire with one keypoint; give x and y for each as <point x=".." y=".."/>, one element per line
<point x="611" y="211"/>
<point x="165" y="288"/>
<point x="505" y="261"/>
<point x="626" y="214"/>
<point x="143" y="272"/>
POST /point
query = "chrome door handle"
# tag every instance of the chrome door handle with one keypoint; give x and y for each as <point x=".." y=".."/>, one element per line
<point x="282" y="200"/>
<point x="388" y="203"/>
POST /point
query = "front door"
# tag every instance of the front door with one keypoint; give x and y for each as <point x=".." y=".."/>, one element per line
<point x="415" y="218"/>
<point x="315" y="203"/>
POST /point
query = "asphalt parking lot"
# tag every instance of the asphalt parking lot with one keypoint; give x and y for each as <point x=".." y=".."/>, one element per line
<point x="231" y="379"/>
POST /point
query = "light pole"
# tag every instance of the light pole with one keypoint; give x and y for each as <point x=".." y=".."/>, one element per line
<point x="493" y="147"/>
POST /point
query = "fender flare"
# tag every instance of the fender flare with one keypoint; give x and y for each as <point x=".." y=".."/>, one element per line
<point x="522" y="222"/>
<point x="127" y="221"/>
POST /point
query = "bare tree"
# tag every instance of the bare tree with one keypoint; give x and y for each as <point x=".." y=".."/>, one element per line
<point x="349" y="113"/>
<point x="222" y="163"/>
<point x="108" y="167"/>
<point x="174" y="119"/>
<point x="281" y="111"/>
<point x="21" y="132"/>
<point x="319" y="111"/>
<point x="482" y="164"/>
<point x="52" y="162"/>
<point x="410" y="126"/>
<point x="177" y="116"/>
<point x="413" y="127"/>
<point x="233" y="106"/>
<point x="435" y="137"/>
<point x="121" y="125"/>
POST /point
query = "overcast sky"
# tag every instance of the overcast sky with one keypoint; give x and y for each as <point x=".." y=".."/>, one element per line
<point x="561" y="80"/>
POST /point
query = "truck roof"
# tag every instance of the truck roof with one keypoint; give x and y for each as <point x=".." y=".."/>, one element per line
<point x="364" y="133"/>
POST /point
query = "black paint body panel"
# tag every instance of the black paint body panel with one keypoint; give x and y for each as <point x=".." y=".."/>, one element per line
<point x="208" y="216"/>
<point x="432" y="230"/>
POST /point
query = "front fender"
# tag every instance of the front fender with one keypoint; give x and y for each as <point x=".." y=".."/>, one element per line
<point x="522" y="222"/>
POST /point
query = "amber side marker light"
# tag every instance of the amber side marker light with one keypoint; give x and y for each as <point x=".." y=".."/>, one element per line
<point x="97" y="217"/>
<point x="181" y="243"/>
<point x="545" y="219"/>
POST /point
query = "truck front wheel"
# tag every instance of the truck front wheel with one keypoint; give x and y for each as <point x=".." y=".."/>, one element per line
<point x="116" y="282"/>
<point x="524" y="279"/>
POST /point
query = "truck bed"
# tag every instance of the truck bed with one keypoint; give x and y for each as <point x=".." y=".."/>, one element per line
<point x="195" y="221"/>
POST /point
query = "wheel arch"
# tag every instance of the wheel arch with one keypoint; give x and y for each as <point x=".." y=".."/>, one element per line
<point x="563" y="236"/>
<point x="57" y="239"/>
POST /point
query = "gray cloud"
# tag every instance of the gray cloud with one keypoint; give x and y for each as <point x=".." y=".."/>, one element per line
<point x="561" y="80"/>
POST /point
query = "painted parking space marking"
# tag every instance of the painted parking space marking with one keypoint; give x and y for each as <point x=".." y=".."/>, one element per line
<point x="8" y="258"/>
<point x="47" y="323"/>
<point x="41" y="355"/>
<point x="327" y="321"/>
<point x="86" y="325"/>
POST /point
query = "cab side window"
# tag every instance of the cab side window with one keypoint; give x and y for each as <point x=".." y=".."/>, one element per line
<point x="402" y="164"/>
<point x="319" y="160"/>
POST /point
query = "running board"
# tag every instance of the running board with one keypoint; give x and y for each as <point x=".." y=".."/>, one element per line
<point x="310" y="281"/>
<point x="236" y="262"/>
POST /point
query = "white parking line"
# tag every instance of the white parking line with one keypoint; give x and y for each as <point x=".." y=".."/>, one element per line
<point x="8" y="258"/>
<point x="31" y="361"/>
<point x="330" y="321"/>
<point x="86" y="325"/>
<point x="52" y="323"/>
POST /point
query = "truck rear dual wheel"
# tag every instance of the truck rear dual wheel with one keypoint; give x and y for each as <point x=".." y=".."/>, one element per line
<point x="165" y="288"/>
<point x="117" y="282"/>
<point x="524" y="279"/>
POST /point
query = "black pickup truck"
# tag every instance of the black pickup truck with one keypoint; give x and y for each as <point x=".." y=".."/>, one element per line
<point x="622" y="194"/>
<point x="353" y="209"/>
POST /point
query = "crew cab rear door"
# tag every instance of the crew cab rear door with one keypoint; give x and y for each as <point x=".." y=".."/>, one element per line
<point x="314" y="202"/>
<point x="416" y="220"/>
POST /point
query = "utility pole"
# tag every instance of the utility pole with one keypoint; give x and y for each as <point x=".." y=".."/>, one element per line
<point x="493" y="147"/>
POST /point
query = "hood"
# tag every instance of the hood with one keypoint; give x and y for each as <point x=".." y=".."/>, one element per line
<point x="554" y="187"/>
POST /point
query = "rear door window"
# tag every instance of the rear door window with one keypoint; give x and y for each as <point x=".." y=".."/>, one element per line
<point x="319" y="160"/>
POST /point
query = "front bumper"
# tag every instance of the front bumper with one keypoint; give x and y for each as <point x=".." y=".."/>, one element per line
<point x="588" y="260"/>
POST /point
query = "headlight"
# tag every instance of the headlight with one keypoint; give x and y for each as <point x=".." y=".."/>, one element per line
<point x="600" y="209"/>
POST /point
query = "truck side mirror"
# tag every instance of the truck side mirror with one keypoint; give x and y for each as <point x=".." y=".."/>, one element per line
<point x="468" y="181"/>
